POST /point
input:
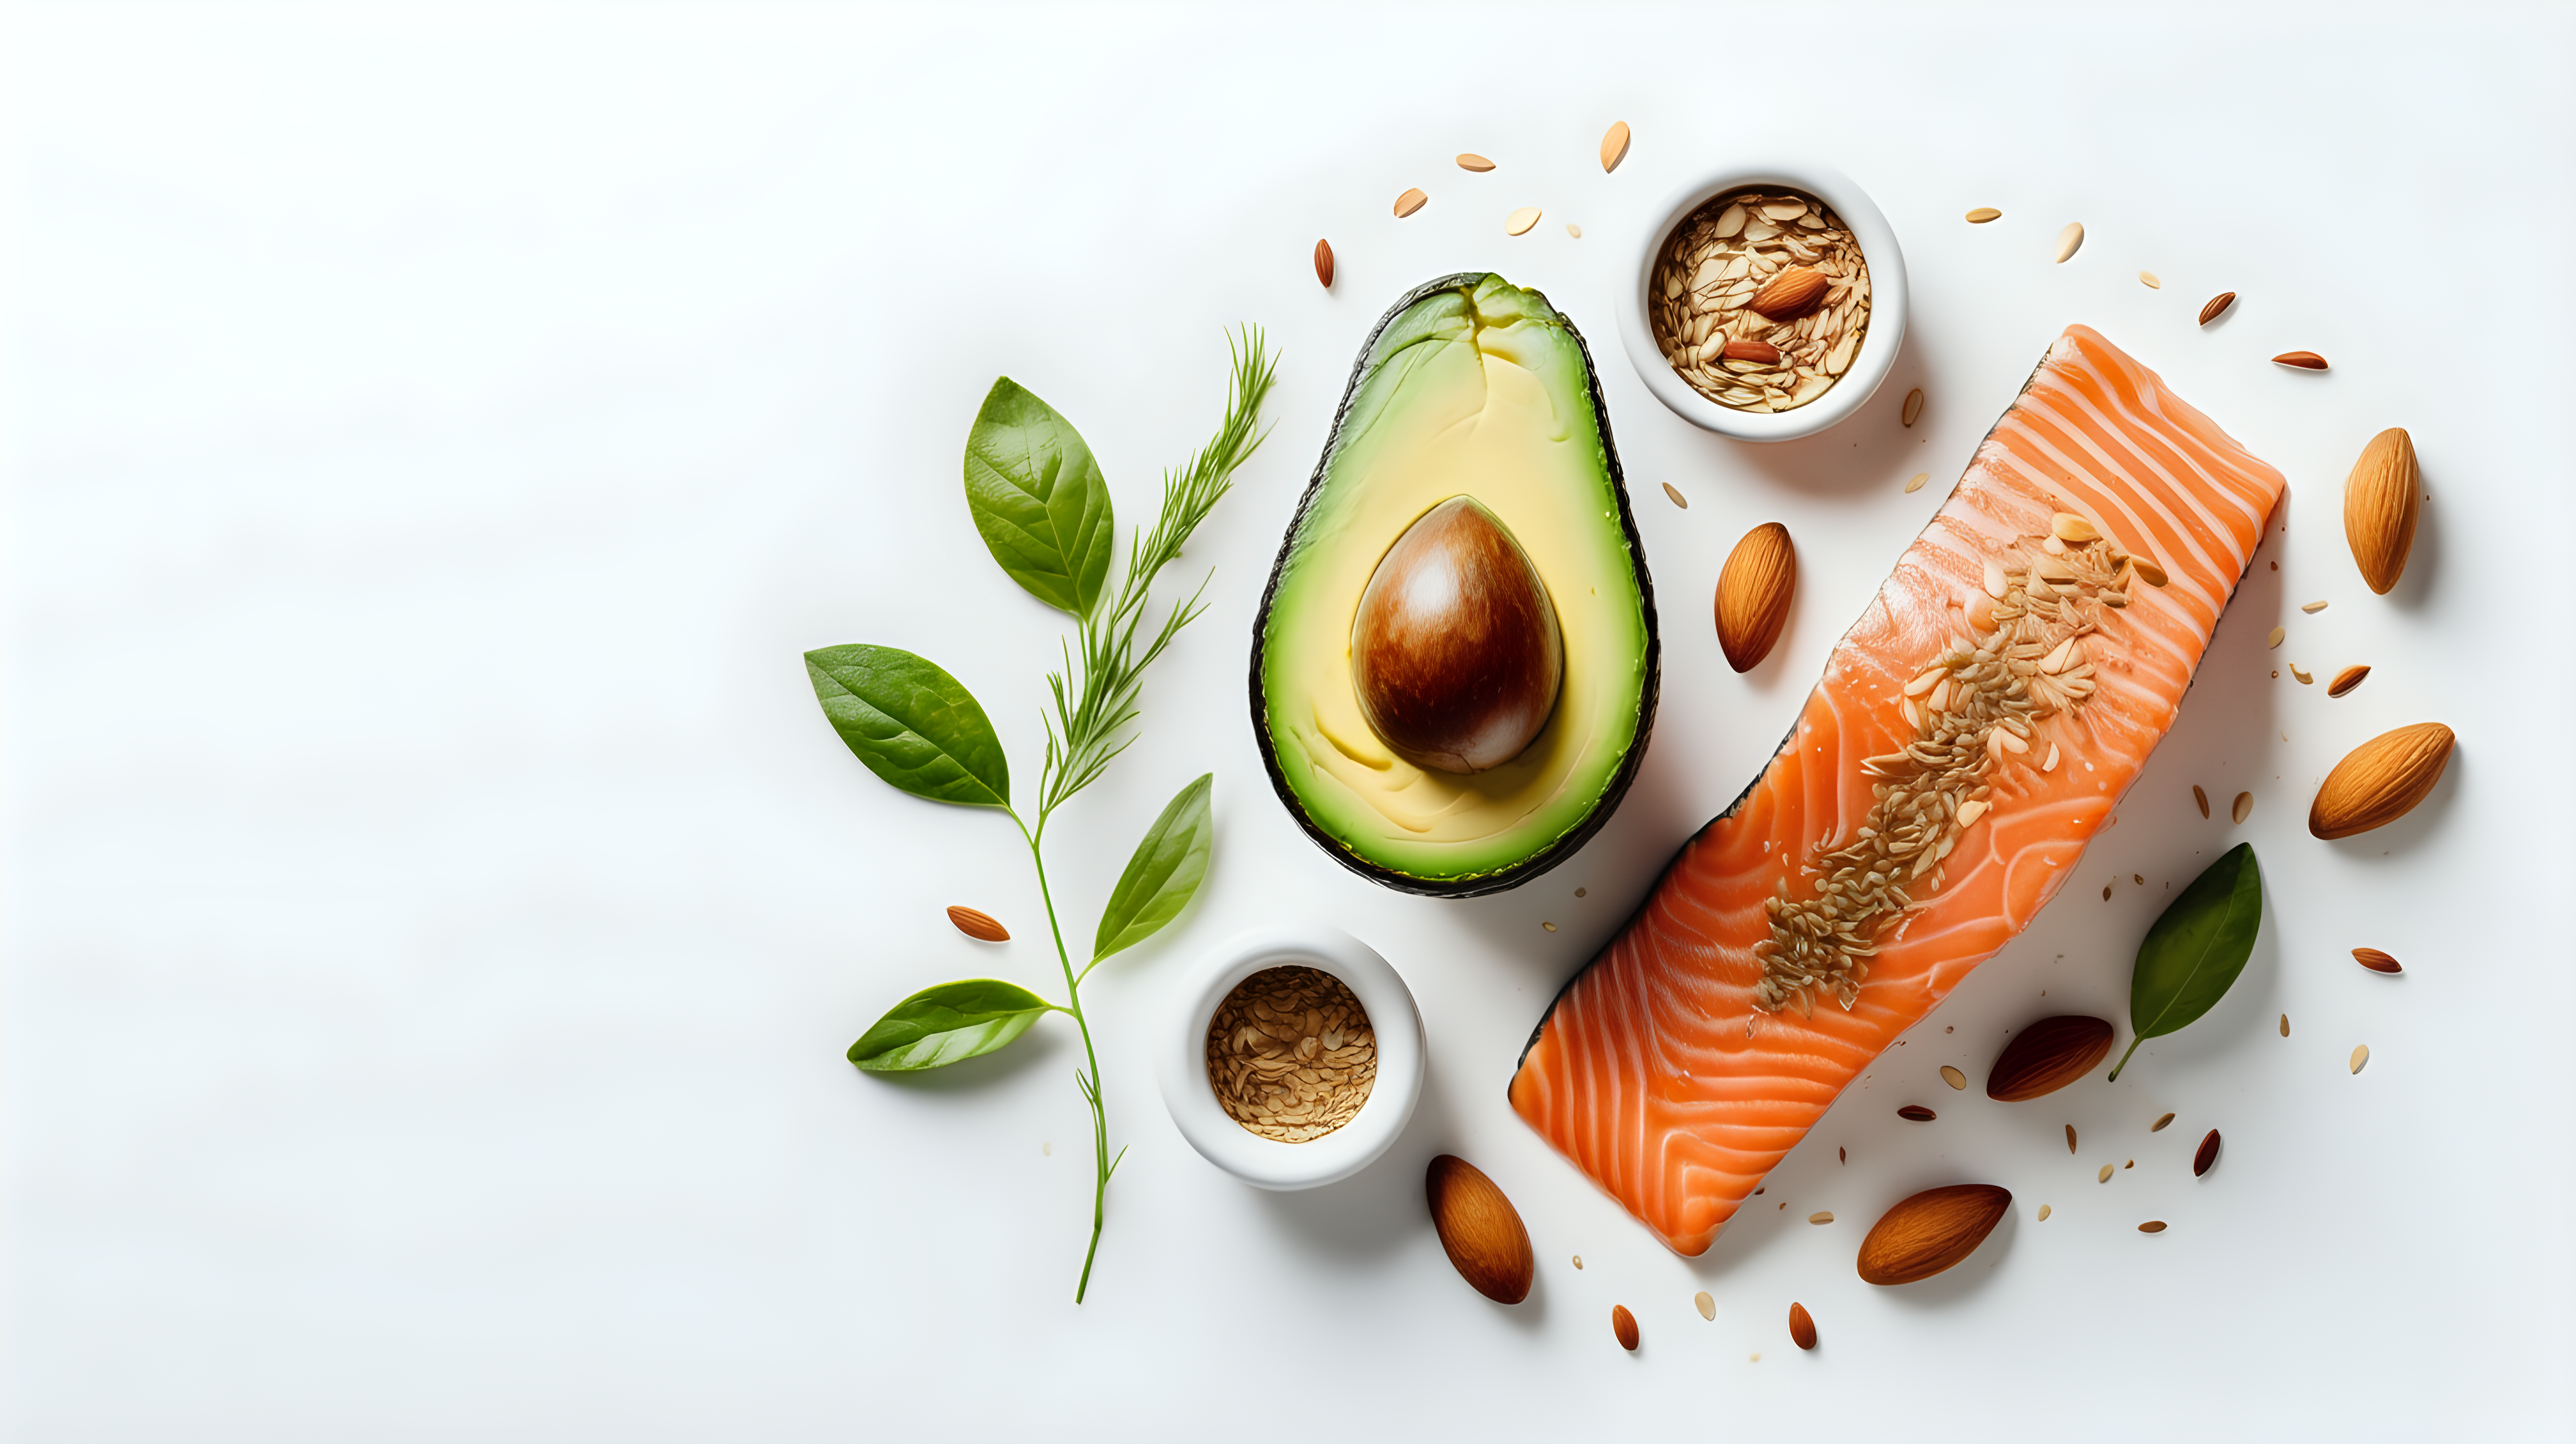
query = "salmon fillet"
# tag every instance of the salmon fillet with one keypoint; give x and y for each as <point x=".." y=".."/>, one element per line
<point x="1972" y="732"/>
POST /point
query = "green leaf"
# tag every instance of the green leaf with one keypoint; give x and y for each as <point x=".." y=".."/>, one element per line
<point x="948" y="1024"/>
<point x="1038" y="498"/>
<point x="1163" y="875"/>
<point x="2193" y="954"/>
<point x="911" y="723"/>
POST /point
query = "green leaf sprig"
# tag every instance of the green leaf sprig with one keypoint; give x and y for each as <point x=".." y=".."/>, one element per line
<point x="2196" y="950"/>
<point x="1039" y="501"/>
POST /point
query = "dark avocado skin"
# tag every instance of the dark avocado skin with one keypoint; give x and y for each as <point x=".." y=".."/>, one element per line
<point x="1567" y="844"/>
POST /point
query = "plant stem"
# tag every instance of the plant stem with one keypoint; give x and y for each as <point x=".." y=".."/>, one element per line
<point x="1100" y="1160"/>
<point x="2124" y="1059"/>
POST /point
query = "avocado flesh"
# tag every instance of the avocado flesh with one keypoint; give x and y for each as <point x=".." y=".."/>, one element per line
<point x="1471" y="387"/>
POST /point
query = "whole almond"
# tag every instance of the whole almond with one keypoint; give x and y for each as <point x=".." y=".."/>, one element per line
<point x="1479" y="1229"/>
<point x="1324" y="263"/>
<point x="2304" y="360"/>
<point x="1762" y="351"/>
<point x="2376" y="961"/>
<point x="1753" y="593"/>
<point x="1802" y="1326"/>
<point x="979" y="925"/>
<point x="1614" y="145"/>
<point x="2379" y="506"/>
<point x="2217" y="306"/>
<point x="1790" y="294"/>
<point x="1930" y="1231"/>
<point x="2048" y="1055"/>
<point x="1623" y="1325"/>
<point x="2381" y="780"/>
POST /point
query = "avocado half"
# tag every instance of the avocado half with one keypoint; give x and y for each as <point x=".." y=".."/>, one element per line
<point x="1470" y="386"/>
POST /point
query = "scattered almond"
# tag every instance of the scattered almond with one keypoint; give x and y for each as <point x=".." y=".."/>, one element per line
<point x="1614" y="146"/>
<point x="1519" y="221"/>
<point x="2304" y="360"/>
<point x="1574" y="230"/>
<point x="1789" y="295"/>
<point x="2044" y="1211"/>
<point x="1409" y="202"/>
<point x="2104" y="1176"/>
<point x="2148" y="280"/>
<point x="1753" y="594"/>
<point x="1469" y="160"/>
<point x="2312" y="608"/>
<point x="979" y="925"/>
<point x="1823" y="1217"/>
<point x="1916" y="1113"/>
<point x="2046" y="1056"/>
<point x="2360" y="1055"/>
<point x="1802" y="1326"/>
<point x="1480" y="1230"/>
<point x="2278" y="633"/>
<point x="1983" y="214"/>
<point x="1744" y="350"/>
<point x="2069" y="241"/>
<point x="2148" y="572"/>
<point x="1915" y="482"/>
<point x="1707" y="1306"/>
<point x="1930" y="1231"/>
<point x="2376" y="961"/>
<point x="2305" y="678"/>
<point x="1913" y="407"/>
<point x="2200" y="797"/>
<point x="2242" y="808"/>
<point x="1623" y="1325"/>
<point x="2153" y="1225"/>
<point x="2070" y="1137"/>
<point x="2285" y="1025"/>
<point x="1953" y="1077"/>
<point x="2159" y="1125"/>
<point x="1324" y="263"/>
<point x="2379" y="506"/>
<point x="2381" y="780"/>
<point x="1674" y="492"/>
<point x="2071" y="529"/>
<point x="2345" y="680"/>
<point x="2206" y="1155"/>
<point x="2217" y="306"/>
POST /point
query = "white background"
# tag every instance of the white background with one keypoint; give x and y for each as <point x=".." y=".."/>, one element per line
<point x="434" y="906"/>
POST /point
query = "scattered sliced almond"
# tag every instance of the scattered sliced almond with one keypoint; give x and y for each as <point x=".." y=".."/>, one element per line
<point x="2072" y="529"/>
<point x="1614" y="146"/>
<point x="1913" y="406"/>
<point x="1915" y="482"/>
<point x="1519" y="221"/>
<point x="2360" y="1056"/>
<point x="2148" y="572"/>
<point x="2285" y="1025"/>
<point x="2148" y="280"/>
<point x="2243" y="807"/>
<point x="2200" y="797"/>
<point x="1574" y="230"/>
<point x="2305" y="678"/>
<point x="2312" y="608"/>
<point x="2104" y="1176"/>
<point x="1409" y="202"/>
<point x="1824" y="1216"/>
<point x="1707" y="1306"/>
<point x="2277" y="634"/>
<point x="1469" y="160"/>
<point x="2376" y="961"/>
<point x="2069" y="241"/>
<point x="2345" y="680"/>
<point x="1970" y="811"/>
<point x="2070" y="1138"/>
<point x="1953" y="1076"/>
<point x="1983" y="214"/>
<point x="1551" y="927"/>
<point x="2153" y="1225"/>
<point x="2043" y="1213"/>
<point x="2217" y="306"/>
<point x="1324" y="263"/>
<point x="2050" y="763"/>
<point x="2159" y="1125"/>
<point x="2304" y="360"/>
<point x="1679" y="500"/>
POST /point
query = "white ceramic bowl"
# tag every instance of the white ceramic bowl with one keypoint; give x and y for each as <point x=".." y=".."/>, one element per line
<point x="1877" y="349"/>
<point x="1266" y="1162"/>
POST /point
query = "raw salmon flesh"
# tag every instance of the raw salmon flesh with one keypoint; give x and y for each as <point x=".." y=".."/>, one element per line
<point x="1971" y="734"/>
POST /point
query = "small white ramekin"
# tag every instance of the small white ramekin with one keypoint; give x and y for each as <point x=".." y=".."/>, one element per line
<point x="1267" y="1162"/>
<point x="1877" y="349"/>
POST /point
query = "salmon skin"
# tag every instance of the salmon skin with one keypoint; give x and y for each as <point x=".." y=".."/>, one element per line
<point x="1972" y="732"/>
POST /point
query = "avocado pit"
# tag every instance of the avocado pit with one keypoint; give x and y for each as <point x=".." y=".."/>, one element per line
<point x="1456" y="652"/>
